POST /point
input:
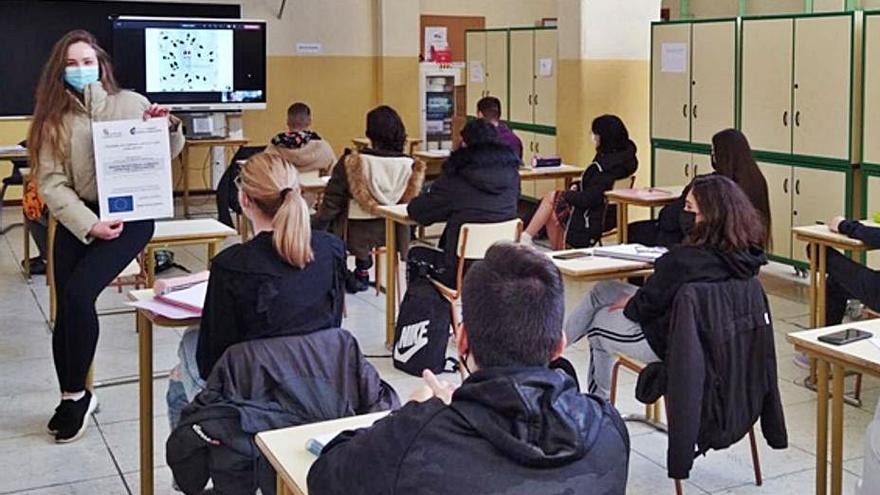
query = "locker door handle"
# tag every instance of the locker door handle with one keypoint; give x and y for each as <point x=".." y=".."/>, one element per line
<point x="536" y="98"/>
<point x="531" y="146"/>
<point x="797" y="187"/>
<point x="785" y="185"/>
<point x="797" y="118"/>
<point x="687" y="170"/>
<point x="696" y="167"/>
<point x="684" y="110"/>
<point x="537" y="147"/>
<point x="530" y="99"/>
<point x="694" y="111"/>
<point x="785" y="118"/>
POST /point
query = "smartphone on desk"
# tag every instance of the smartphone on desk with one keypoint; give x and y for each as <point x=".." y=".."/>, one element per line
<point x="845" y="336"/>
<point x="575" y="255"/>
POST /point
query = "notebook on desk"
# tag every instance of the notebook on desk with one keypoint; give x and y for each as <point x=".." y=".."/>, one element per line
<point x="190" y="299"/>
<point x="631" y="252"/>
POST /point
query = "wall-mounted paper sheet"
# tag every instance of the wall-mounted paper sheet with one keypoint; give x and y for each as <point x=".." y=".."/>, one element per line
<point x="476" y="74"/>
<point x="545" y="67"/>
<point x="673" y="57"/>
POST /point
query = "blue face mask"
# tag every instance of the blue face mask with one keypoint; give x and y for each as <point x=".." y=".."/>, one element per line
<point x="80" y="77"/>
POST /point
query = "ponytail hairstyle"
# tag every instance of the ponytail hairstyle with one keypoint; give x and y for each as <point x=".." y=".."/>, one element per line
<point x="272" y="184"/>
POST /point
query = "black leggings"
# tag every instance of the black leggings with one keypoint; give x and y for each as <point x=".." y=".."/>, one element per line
<point x="849" y="280"/>
<point x="81" y="272"/>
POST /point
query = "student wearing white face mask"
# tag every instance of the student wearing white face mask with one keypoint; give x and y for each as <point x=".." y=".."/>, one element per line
<point x="575" y="217"/>
<point x="76" y="88"/>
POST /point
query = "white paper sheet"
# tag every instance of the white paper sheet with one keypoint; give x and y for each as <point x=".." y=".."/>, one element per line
<point x="476" y="74"/>
<point x="673" y="57"/>
<point x="545" y="67"/>
<point x="435" y="36"/>
<point x="133" y="169"/>
<point x="166" y="310"/>
<point x="191" y="298"/>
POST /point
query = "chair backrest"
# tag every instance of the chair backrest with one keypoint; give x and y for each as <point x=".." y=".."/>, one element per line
<point x="476" y="238"/>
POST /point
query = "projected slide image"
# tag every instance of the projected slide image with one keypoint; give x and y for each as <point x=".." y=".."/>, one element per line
<point x="180" y="60"/>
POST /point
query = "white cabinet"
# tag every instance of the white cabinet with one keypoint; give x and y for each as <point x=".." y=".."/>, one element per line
<point x="533" y="76"/>
<point x="678" y="168"/>
<point x="486" y="66"/>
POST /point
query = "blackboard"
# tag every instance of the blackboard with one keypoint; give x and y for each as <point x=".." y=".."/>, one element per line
<point x="29" y="29"/>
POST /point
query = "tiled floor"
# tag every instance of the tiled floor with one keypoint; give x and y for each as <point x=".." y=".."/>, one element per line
<point x="105" y="460"/>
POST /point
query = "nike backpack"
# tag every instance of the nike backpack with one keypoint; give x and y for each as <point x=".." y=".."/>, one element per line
<point x="422" y="331"/>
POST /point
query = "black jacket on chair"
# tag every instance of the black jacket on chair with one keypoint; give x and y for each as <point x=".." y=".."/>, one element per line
<point x="721" y="371"/>
<point x="587" y="221"/>
<point x="651" y="306"/>
<point x="479" y="184"/>
<point x="511" y="431"/>
<point x="262" y="385"/>
<point x="253" y="294"/>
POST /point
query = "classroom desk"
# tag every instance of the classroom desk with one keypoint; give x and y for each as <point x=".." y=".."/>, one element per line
<point x="225" y="143"/>
<point x="171" y="233"/>
<point x="145" y="322"/>
<point x="597" y="268"/>
<point x="434" y="161"/>
<point x="817" y="236"/>
<point x="648" y="198"/>
<point x="567" y="172"/>
<point x="362" y="142"/>
<point x="392" y="214"/>
<point x="285" y="449"/>
<point x="10" y="154"/>
<point x="858" y="357"/>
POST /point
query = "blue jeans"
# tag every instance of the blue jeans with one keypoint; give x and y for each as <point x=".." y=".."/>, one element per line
<point x="184" y="382"/>
<point x="609" y="333"/>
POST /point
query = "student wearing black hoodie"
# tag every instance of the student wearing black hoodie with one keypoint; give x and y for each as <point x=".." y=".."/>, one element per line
<point x="575" y="217"/>
<point x="513" y="427"/>
<point x="479" y="184"/>
<point x="724" y="241"/>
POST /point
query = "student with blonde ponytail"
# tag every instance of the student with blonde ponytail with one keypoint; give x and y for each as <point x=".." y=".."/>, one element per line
<point x="286" y="280"/>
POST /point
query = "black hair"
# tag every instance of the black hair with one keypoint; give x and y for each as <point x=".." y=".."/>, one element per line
<point x="385" y="129"/>
<point x="513" y="306"/>
<point x="490" y="107"/>
<point x="299" y="114"/>
<point x="612" y="133"/>
<point x="479" y="131"/>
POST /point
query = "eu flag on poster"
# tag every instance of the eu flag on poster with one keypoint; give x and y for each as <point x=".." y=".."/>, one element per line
<point x="120" y="204"/>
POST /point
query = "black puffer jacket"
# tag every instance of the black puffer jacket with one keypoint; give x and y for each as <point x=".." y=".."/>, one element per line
<point x="651" y="306"/>
<point x="586" y="223"/>
<point x="508" y="431"/>
<point x="479" y="184"/>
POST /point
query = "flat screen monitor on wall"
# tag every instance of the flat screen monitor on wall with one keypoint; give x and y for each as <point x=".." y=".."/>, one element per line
<point x="193" y="64"/>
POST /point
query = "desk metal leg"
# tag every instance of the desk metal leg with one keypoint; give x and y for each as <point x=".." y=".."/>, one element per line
<point x="814" y="268"/>
<point x="150" y="268"/>
<point x="145" y="360"/>
<point x="837" y="429"/>
<point x="822" y="428"/>
<point x="390" y="281"/>
<point x="622" y="222"/>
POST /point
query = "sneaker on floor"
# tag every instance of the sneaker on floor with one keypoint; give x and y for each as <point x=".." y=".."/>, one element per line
<point x="57" y="420"/>
<point x="74" y="418"/>
<point x="801" y="360"/>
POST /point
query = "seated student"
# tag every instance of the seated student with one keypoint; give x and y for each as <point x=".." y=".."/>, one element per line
<point x="300" y="145"/>
<point x="576" y="216"/>
<point x="489" y="109"/>
<point x="732" y="158"/>
<point x="479" y="184"/>
<point x="287" y="280"/>
<point x="514" y="426"/>
<point x="848" y="279"/>
<point x="724" y="241"/>
<point x="361" y="180"/>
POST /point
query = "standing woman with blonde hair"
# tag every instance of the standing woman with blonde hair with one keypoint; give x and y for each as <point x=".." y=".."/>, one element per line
<point x="77" y="88"/>
<point x="286" y="280"/>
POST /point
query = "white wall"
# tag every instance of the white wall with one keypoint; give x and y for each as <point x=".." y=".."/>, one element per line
<point x="618" y="30"/>
<point x="498" y="13"/>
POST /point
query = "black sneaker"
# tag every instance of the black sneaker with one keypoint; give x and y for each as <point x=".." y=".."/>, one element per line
<point x="73" y="419"/>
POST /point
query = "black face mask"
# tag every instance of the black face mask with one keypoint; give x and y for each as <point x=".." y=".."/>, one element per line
<point x="687" y="220"/>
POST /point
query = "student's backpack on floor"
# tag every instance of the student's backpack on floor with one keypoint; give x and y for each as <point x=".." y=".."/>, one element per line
<point x="422" y="331"/>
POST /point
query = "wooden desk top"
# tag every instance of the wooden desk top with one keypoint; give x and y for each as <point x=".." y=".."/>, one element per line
<point x="217" y="142"/>
<point x="598" y="267"/>
<point x="560" y="172"/>
<point x="823" y="235"/>
<point x="161" y="321"/>
<point x="286" y="448"/>
<point x="397" y="213"/>
<point x="648" y="197"/>
<point x="194" y="230"/>
<point x="362" y="142"/>
<point x="314" y="184"/>
<point x="432" y="155"/>
<point x="864" y="354"/>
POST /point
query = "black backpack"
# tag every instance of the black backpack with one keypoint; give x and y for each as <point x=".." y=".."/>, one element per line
<point x="422" y="331"/>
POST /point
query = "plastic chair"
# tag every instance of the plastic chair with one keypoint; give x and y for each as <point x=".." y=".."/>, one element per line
<point x="474" y="240"/>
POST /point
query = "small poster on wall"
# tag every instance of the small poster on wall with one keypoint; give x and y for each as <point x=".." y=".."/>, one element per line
<point x="475" y="72"/>
<point x="436" y="38"/>
<point x="545" y="67"/>
<point x="673" y="57"/>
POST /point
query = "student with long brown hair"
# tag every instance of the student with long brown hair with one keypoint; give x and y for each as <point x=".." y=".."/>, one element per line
<point x="724" y="241"/>
<point x="286" y="280"/>
<point x="77" y="88"/>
